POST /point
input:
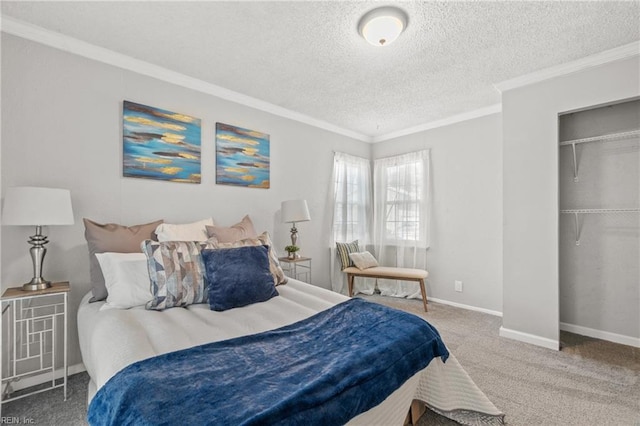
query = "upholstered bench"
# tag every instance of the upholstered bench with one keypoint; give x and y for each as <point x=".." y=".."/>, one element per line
<point x="402" y="274"/>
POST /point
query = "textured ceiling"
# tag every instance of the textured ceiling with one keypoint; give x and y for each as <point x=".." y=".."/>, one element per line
<point x="308" y="57"/>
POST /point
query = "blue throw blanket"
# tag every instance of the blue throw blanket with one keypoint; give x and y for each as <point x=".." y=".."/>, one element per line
<point x="323" y="370"/>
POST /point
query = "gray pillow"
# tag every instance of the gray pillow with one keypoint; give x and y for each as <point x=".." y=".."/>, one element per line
<point x="111" y="237"/>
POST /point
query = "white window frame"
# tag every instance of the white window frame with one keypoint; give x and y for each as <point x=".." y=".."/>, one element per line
<point x="411" y="172"/>
<point x="352" y="198"/>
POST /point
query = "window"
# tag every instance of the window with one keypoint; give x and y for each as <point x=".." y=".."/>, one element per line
<point x="352" y="198"/>
<point x="402" y="210"/>
<point x="401" y="188"/>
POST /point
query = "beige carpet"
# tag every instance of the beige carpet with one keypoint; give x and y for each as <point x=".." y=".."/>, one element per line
<point x="589" y="382"/>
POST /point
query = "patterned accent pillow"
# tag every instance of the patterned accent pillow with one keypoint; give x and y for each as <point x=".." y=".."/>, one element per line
<point x="363" y="260"/>
<point x="343" y="253"/>
<point x="176" y="272"/>
<point x="262" y="240"/>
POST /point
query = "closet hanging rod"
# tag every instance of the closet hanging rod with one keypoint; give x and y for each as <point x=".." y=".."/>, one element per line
<point x="603" y="138"/>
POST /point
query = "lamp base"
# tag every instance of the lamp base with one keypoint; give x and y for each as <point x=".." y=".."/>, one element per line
<point x="294" y="235"/>
<point x="36" y="284"/>
<point x="37" y="252"/>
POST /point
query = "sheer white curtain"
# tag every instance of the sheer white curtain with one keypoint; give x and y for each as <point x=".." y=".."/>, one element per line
<point x="352" y="214"/>
<point x="401" y="217"/>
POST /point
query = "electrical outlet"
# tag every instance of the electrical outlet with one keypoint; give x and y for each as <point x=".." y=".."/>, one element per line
<point x="458" y="285"/>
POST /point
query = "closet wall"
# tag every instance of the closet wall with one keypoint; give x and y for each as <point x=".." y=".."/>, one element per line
<point x="600" y="254"/>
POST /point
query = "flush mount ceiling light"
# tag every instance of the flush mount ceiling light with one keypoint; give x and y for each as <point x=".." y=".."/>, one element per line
<point x="381" y="26"/>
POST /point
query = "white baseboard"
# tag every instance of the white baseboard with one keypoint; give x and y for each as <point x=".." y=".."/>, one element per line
<point x="599" y="334"/>
<point x="463" y="306"/>
<point x="45" y="377"/>
<point x="530" y="338"/>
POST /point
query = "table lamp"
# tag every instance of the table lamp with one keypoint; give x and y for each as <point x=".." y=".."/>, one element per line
<point x="295" y="211"/>
<point x="37" y="207"/>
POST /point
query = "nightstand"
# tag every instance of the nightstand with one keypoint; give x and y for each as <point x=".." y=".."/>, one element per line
<point x="31" y="324"/>
<point x="298" y="269"/>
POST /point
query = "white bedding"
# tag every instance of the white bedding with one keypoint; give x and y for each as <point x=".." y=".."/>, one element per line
<point x="112" y="339"/>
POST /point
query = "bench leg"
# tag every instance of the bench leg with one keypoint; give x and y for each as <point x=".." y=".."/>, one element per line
<point x="350" y="284"/>
<point x="424" y="295"/>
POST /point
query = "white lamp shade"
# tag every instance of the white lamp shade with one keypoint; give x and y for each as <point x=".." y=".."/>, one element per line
<point x="27" y="205"/>
<point x="381" y="26"/>
<point x="295" y="211"/>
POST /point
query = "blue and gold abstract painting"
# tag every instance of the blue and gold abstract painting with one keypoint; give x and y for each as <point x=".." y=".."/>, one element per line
<point x="242" y="157"/>
<point x="160" y="144"/>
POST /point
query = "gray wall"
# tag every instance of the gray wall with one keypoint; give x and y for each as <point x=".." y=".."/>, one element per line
<point x="600" y="278"/>
<point x="466" y="226"/>
<point x="61" y="127"/>
<point x="530" y="190"/>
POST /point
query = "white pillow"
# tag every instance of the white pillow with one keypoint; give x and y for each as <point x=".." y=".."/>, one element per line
<point x="363" y="260"/>
<point x="196" y="231"/>
<point x="126" y="277"/>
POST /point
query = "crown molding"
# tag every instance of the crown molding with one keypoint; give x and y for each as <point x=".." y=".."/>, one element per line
<point x="469" y="115"/>
<point x="616" y="54"/>
<point x="72" y="45"/>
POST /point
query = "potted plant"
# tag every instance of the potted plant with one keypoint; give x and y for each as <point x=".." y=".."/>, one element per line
<point x="292" y="251"/>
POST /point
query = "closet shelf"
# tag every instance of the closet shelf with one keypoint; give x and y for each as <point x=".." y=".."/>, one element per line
<point x="577" y="212"/>
<point x="597" y="211"/>
<point x="604" y="138"/>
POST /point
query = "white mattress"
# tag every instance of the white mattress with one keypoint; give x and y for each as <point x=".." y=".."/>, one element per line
<point x="112" y="339"/>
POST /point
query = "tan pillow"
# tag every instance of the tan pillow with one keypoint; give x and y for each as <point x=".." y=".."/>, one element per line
<point x="239" y="231"/>
<point x="261" y="240"/>
<point x="111" y="237"/>
<point x="363" y="260"/>
<point x="195" y="231"/>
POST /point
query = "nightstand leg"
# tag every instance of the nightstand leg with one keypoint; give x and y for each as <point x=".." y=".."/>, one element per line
<point x="65" y="371"/>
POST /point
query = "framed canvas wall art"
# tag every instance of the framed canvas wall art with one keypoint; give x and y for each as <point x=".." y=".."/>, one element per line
<point x="242" y="157"/>
<point x="160" y="144"/>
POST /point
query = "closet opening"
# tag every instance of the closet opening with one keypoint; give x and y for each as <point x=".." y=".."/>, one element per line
<point x="599" y="226"/>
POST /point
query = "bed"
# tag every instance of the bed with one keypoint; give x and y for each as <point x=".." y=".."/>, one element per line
<point x="111" y="340"/>
<point x="202" y="326"/>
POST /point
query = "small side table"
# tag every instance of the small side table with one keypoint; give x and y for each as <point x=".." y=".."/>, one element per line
<point x="33" y="327"/>
<point x="298" y="269"/>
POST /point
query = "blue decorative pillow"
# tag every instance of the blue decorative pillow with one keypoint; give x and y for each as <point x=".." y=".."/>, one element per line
<point x="238" y="277"/>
